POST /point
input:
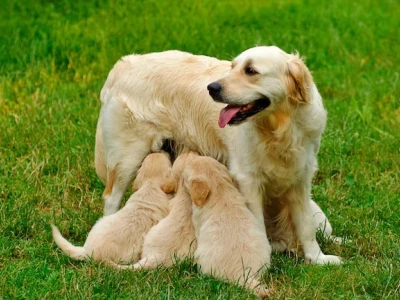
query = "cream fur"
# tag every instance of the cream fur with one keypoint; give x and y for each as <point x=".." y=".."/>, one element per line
<point x="272" y="155"/>
<point x="231" y="245"/>
<point x="173" y="238"/>
<point x="119" y="237"/>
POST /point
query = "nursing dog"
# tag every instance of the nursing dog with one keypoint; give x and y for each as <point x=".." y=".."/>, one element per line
<point x="267" y="96"/>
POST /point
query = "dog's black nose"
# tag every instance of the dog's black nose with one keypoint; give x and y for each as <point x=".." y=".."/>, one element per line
<point x="214" y="88"/>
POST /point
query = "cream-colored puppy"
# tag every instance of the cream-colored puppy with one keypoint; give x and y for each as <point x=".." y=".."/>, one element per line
<point x="173" y="238"/>
<point x="231" y="245"/>
<point x="119" y="237"/>
<point x="267" y="96"/>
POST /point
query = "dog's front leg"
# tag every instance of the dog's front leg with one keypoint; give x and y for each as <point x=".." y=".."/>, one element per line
<point x="250" y="189"/>
<point x="301" y="214"/>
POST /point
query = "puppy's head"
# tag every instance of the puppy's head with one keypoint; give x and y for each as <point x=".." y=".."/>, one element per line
<point x="156" y="167"/>
<point x="181" y="161"/>
<point x="201" y="176"/>
<point x="261" y="80"/>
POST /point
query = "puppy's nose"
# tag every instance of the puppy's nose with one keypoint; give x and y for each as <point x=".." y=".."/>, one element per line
<point x="214" y="88"/>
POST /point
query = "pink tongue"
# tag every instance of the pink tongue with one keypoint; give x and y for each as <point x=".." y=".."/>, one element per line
<point x="227" y="114"/>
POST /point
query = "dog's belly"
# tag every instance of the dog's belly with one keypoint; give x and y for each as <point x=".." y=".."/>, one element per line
<point x="204" y="145"/>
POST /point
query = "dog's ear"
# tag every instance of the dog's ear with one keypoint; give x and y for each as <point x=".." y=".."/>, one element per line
<point x="171" y="184"/>
<point x="199" y="190"/>
<point x="298" y="80"/>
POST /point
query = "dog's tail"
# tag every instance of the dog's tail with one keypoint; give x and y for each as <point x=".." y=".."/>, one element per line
<point x="75" y="252"/>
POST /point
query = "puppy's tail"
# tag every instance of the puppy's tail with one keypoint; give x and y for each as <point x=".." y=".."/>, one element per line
<point x="78" y="253"/>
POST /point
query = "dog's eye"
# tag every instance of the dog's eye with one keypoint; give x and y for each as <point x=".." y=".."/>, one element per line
<point x="250" y="71"/>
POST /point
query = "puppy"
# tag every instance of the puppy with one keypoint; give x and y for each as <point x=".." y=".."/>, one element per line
<point x="231" y="245"/>
<point x="173" y="238"/>
<point x="119" y="237"/>
<point x="267" y="96"/>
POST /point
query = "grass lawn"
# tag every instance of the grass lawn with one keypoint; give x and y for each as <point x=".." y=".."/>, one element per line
<point x="54" y="59"/>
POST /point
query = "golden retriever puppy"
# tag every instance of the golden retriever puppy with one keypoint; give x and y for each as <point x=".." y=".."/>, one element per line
<point x="231" y="244"/>
<point x="173" y="238"/>
<point x="119" y="237"/>
<point x="267" y="96"/>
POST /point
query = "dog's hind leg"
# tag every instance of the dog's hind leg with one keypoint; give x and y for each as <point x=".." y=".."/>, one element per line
<point x="121" y="172"/>
<point x="321" y="222"/>
<point x="99" y="154"/>
<point x="125" y="149"/>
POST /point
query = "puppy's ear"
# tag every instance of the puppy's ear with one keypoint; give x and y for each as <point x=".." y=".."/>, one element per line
<point x="298" y="80"/>
<point x="171" y="184"/>
<point x="199" y="191"/>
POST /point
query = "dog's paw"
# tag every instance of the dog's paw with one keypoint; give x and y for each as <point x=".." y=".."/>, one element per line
<point x="323" y="259"/>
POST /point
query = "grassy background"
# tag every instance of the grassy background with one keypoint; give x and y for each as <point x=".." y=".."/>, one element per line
<point x="54" y="59"/>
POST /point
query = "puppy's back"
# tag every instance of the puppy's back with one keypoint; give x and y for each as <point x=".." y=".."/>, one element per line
<point x="232" y="239"/>
<point x="231" y="244"/>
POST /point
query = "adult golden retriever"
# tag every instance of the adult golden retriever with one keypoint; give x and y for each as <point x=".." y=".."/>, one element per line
<point x="267" y="94"/>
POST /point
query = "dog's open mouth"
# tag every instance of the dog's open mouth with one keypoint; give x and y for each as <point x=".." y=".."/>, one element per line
<point x="233" y="114"/>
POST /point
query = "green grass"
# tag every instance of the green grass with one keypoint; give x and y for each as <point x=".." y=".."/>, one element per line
<point x="54" y="59"/>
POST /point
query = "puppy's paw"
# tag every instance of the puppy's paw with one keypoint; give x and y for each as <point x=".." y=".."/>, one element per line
<point x="139" y="265"/>
<point x="261" y="291"/>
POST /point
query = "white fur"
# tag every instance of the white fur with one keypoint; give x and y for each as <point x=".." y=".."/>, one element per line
<point x="171" y="240"/>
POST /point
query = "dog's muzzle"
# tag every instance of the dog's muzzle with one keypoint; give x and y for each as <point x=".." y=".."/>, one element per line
<point x="214" y="89"/>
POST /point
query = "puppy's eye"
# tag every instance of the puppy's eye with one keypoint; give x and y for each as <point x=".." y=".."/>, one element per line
<point x="250" y="71"/>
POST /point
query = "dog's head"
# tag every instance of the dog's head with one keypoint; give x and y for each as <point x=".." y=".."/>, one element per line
<point x="181" y="161"/>
<point x="156" y="167"/>
<point x="201" y="176"/>
<point x="261" y="80"/>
